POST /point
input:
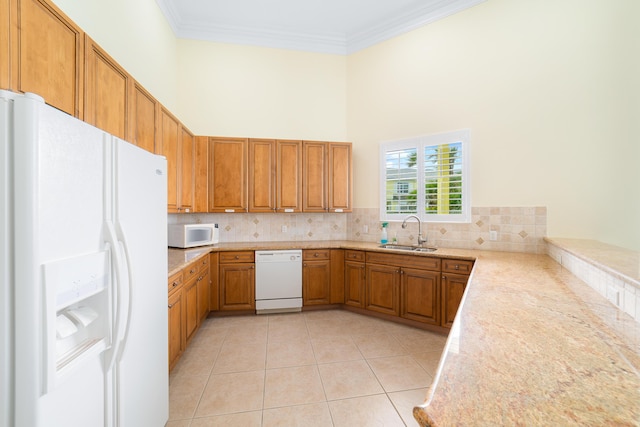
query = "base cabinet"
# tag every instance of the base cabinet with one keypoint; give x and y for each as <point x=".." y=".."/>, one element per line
<point x="237" y="281"/>
<point x="453" y="286"/>
<point x="316" y="277"/>
<point x="177" y="338"/>
<point x="420" y="291"/>
<point x="382" y="289"/>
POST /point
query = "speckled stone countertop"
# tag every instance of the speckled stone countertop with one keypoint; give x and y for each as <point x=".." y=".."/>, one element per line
<point x="531" y="344"/>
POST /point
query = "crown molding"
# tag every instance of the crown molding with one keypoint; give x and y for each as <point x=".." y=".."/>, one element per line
<point x="406" y="22"/>
<point x="338" y="44"/>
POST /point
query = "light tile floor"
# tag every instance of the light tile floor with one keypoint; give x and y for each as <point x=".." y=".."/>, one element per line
<point x="316" y="368"/>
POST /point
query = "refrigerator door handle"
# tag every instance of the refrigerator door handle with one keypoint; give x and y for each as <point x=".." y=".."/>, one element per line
<point x="123" y="240"/>
<point x="116" y="340"/>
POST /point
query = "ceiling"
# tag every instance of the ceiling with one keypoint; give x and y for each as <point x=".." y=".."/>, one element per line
<point x="327" y="26"/>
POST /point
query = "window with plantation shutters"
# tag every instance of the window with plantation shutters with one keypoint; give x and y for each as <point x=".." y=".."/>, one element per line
<point x="425" y="176"/>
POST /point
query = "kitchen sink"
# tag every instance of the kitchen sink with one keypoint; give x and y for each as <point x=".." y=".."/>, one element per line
<point x="407" y="248"/>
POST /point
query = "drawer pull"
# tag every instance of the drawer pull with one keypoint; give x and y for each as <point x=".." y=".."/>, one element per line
<point x="237" y="257"/>
<point x="170" y="305"/>
<point x="457" y="267"/>
<point x="174" y="284"/>
<point x="316" y="254"/>
<point x="192" y="271"/>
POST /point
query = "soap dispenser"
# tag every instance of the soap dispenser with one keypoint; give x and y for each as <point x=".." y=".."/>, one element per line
<point x="383" y="236"/>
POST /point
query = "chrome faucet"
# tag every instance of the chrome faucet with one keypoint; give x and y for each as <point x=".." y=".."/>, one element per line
<point x="420" y="239"/>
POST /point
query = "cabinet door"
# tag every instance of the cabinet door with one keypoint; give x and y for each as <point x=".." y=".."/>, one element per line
<point x="204" y="285"/>
<point x="169" y="137"/>
<point x="47" y="55"/>
<point x="316" y="282"/>
<point x="214" y="291"/>
<point x="314" y="193"/>
<point x="339" y="177"/>
<point x="262" y="185"/>
<point x="289" y="176"/>
<point x="144" y="119"/>
<point x="185" y="171"/>
<point x="106" y="92"/>
<point x="237" y="287"/>
<point x="453" y="286"/>
<point x="382" y="290"/>
<point x="354" y="283"/>
<point x="176" y="332"/>
<point x="191" y="308"/>
<point x="201" y="174"/>
<point x="419" y="290"/>
<point x="228" y="174"/>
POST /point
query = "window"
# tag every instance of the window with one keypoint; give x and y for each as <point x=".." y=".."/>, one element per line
<point x="426" y="176"/>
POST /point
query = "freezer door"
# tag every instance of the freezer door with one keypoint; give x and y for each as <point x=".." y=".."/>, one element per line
<point x="141" y="223"/>
<point x="59" y="204"/>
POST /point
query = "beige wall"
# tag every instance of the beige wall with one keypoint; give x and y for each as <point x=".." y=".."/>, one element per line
<point x="547" y="89"/>
<point x="136" y="34"/>
<point x="234" y="90"/>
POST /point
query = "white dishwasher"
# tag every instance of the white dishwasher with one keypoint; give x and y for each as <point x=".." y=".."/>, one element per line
<point x="278" y="281"/>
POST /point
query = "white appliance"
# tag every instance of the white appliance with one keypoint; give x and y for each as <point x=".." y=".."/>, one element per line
<point x="83" y="264"/>
<point x="278" y="281"/>
<point x="192" y="235"/>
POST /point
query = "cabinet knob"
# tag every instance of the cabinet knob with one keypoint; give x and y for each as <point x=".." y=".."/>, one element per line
<point x="192" y="271"/>
<point x="174" y="284"/>
<point x="457" y="267"/>
<point x="170" y="306"/>
<point x="316" y="254"/>
<point x="237" y="257"/>
<point x="253" y="266"/>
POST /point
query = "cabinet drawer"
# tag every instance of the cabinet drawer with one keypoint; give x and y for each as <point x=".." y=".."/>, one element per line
<point x="175" y="282"/>
<point x="354" y="256"/>
<point x="409" y="261"/>
<point x="203" y="264"/>
<point x="240" y="256"/>
<point x="190" y="271"/>
<point x="316" y="254"/>
<point x="457" y="266"/>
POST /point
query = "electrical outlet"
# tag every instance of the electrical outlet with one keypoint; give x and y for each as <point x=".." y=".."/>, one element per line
<point x="284" y="228"/>
<point x="493" y="235"/>
<point x="366" y="229"/>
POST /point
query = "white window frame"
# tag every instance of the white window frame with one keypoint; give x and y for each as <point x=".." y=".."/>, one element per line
<point x="462" y="136"/>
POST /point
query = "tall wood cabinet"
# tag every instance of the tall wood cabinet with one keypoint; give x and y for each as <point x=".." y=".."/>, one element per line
<point x="262" y="175"/>
<point x="178" y="147"/>
<point x="46" y="54"/>
<point x="228" y="174"/>
<point x="288" y="191"/>
<point x="185" y="171"/>
<point x="201" y="174"/>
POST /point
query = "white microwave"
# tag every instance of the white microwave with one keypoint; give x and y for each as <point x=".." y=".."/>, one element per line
<point x="192" y="235"/>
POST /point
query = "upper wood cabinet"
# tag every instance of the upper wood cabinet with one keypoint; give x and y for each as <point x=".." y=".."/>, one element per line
<point x="106" y="92"/>
<point x="228" y="174"/>
<point x="5" y="64"/>
<point x="46" y="54"/>
<point x="275" y="175"/>
<point x="314" y="195"/>
<point x="288" y="176"/>
<point x="327" y="177"/>
<point x="201" y="174"/>
<point x="169" y="138"/>
<point x="340" y="179"/>
<point x="262" y="175"/>
<point x="185" y="171"/>
<point x="144" y="119"/>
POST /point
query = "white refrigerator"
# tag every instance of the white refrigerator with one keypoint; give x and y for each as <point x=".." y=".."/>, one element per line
<point x="83" y="265"/>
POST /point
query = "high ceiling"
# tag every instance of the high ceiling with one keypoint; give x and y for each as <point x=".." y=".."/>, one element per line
<point x="329" y="26"/>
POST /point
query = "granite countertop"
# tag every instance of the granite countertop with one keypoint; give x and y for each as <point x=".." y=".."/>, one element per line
<point x="531" y="343"/>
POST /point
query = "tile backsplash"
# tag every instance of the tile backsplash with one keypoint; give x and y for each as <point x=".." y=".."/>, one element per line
<point x="518" y="229"/>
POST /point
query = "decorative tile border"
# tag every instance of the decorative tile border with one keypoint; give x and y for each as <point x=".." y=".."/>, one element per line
<point x="518" y="229"/>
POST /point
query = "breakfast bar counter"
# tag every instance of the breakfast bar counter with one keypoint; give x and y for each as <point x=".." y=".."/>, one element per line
<point x="534" y="345"/>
